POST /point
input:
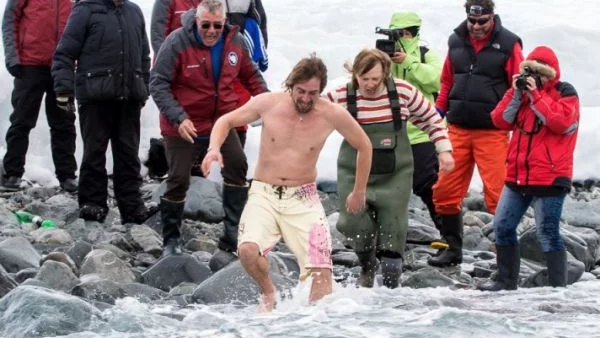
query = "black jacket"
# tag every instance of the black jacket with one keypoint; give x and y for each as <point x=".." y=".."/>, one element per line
<point x="103" y="53"/>
<point x="480" y="80"/>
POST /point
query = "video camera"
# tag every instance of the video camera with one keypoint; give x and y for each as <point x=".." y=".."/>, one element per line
<point x="521" y="82"/>
<point x="388" y="45"/>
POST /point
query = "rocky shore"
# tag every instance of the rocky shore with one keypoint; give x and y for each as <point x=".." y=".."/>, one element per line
<point x="81" y="268"/>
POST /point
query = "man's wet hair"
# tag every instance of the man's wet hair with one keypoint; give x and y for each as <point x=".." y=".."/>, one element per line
<point x="487" y="5"/>
<point x="365" y="60"/>
<point x="306" y="69"/>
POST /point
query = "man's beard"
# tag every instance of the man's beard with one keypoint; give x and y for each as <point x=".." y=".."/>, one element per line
<point x="303" y="108"/>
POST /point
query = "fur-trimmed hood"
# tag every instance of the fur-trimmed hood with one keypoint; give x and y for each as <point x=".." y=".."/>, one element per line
<point x="543" y="61"/>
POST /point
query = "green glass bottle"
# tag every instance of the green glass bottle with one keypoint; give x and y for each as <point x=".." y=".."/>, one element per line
<point x="27" y="217"/>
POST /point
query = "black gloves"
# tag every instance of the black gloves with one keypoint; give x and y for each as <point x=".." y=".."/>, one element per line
<point x="66" y="103"/>
<point x="15" y="71"/>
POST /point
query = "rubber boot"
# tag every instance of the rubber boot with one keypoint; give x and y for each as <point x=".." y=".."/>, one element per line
<point x="234" y="200"/>
<point x="556" y="261"/>
<point x="171" y="215"/>
<point x="391" y="269"/>
<point x="452" y="231"/>
<point x="369" y="265"/>
<point x="509" y="262"/>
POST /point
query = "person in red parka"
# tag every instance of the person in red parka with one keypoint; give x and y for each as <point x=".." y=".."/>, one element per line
<point x="31" y="31"/>
<point x="192" y="85"/>
<point x="543" y="114"/>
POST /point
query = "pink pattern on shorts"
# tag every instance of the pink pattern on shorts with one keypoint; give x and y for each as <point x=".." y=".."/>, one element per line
<point x="308" y="192"/>
<point x="319" y="242"/>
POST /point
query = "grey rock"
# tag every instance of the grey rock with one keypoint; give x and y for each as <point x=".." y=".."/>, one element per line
<point x="421" y="232"/>
<point x="144" y="260"/>
<point x="8" y="218"/>
<point x="63" y="258"/>
<point x="53" y="236"/>
<point x="575" y="269"/>
<point x="142" y="292"/>
<point x="233" y="284"/>
<point x="221" y="259"/>
<point x="106" y="265"/>
<point x="93" y="287"/>
<point x="338" y="240"/>
<point x="57" y="276"/>
<point x="582" y="213"/>
<point x="185" y="288"/>
<point x="7" y="283"/>
<point x="427" y="277"/>
<point x="24" y="313"/>
<point x="78" y="250"/>
<point x="203" y="200"/>
<point x="201" y="244"/>
<point x="147" y="239"/>
<point x="25" y="274"/>
<point x="121" y="242"/>
<point x="346" y="258"/>
<point x="17" y="254"/>
<point x="173" y="270"/>
<point x="472" y="220"/>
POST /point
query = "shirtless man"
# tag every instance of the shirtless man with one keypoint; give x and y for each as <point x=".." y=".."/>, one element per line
<point x="283" y="199"/>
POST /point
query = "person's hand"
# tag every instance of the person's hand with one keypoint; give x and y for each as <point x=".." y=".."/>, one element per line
<point x="66" y="103"/>
<point x="399" y="57"/>
<point x="356" y="202"/>
<point x="446" y="161"/>
<point x="531" y="84"/>
<point x="211" y="156"/>
<point x="514" y="81"/>
<point x="187" y="131"/>
<point x="16" y="71"/>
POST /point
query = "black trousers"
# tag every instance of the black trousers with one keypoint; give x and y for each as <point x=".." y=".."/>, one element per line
<point x="27" y="96"/>
<point x="426" y="172"/>
<point x="117" y="122"/>
<point x="181" y="156"/>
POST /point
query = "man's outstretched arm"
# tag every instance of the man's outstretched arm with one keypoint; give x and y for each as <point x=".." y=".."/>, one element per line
<point x="346" y="125"/>
<point x="239" y="117"/>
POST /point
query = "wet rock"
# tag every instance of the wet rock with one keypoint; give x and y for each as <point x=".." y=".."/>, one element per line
<point x="57" y="276"/>
<point x="106" y="265"/>
<point x="17" y="254"/>
<point x="174" y="270"/>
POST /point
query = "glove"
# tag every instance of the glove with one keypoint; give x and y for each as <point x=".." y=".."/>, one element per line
<point x="441" y="112"/>
<point x="16" y="71"/>
<point x="66" y="103"/>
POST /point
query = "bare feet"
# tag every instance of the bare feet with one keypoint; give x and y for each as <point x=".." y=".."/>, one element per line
<point x="266" y="303"/>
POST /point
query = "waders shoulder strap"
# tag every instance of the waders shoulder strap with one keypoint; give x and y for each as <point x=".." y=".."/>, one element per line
<point x="351" y="100"/>
<point x="392" y="95"/>
<point x="394" y="103"/>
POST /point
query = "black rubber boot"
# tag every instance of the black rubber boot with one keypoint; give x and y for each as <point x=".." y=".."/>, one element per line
<point x="234" y="200"/>
<point x="171" y="215"/>
<point x="452" y="227"/>
<point x="556" y="261"/>
<point x="368" y="264"/>
<point x="391" y="269"/>
<point x="509" y="263"/>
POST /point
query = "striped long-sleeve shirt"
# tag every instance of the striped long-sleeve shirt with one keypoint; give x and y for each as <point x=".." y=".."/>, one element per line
<point x="414" y="107"/>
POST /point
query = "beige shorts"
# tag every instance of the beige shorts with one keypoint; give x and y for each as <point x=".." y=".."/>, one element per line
<point x="294" y="213"/>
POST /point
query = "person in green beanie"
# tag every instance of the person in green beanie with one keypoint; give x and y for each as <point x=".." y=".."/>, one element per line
<point x="421" y="67"/>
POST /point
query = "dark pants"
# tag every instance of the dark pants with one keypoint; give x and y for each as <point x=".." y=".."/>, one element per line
<point x="182" y="154"/>
<point x="547" y="211"/>
<point x="426" y="172"/>
<point x="119" y="123"/>
<point x="197" y="167"/>
<point x="26" y="100"/>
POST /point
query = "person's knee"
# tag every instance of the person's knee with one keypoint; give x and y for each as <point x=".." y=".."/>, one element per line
<point x="248" y="252"/>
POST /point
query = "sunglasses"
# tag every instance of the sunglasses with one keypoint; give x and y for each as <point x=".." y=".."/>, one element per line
<point x="481" y="22"/>
<point x="216" y="25"/>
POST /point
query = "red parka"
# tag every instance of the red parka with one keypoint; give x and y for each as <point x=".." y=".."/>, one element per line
<point x="544" y="123"/>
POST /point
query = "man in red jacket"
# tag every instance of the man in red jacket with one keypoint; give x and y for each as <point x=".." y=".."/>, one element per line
<point x="30" y="31"/>
<point x="192" y="85"/>
<point x="543" y="114"/>
<point x="482" y="58"/>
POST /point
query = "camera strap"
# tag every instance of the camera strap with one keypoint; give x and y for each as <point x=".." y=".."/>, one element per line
<point x="352" y="107"/>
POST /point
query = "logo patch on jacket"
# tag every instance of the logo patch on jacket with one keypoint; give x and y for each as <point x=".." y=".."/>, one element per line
<point x="233" y="58"/>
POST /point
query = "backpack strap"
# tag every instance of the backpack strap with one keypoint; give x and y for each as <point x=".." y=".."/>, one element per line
<point x="424" y="50"/>
<point x="394" y="103"/>
<point x="351" y="100"/>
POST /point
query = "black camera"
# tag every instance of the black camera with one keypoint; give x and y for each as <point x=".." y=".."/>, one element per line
<point x="521" y="82"/>
<point x="388" y="45"/>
